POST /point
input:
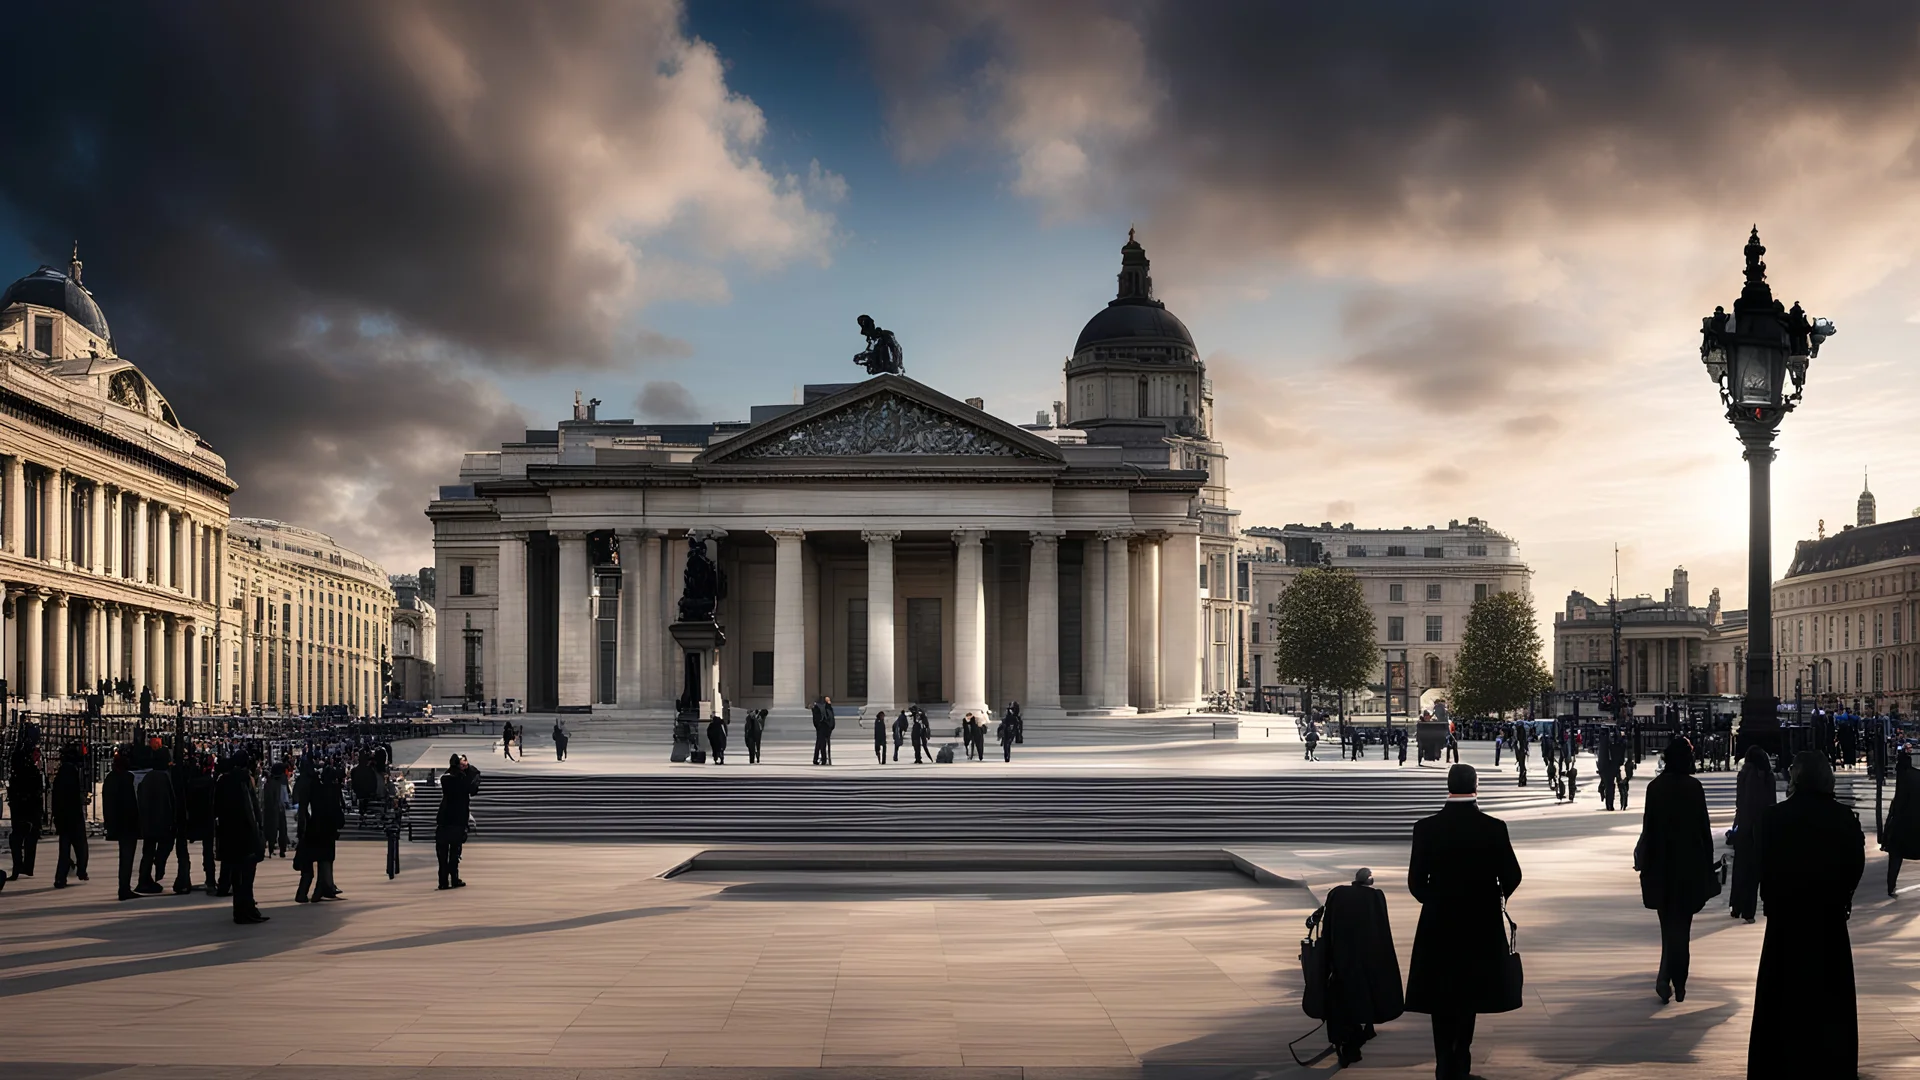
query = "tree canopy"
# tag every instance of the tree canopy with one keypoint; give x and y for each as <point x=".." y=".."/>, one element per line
<point x="1499" y="667"/>
<point x="1323" y="632"/>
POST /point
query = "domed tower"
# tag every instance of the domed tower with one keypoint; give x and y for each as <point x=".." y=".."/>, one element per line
<point x="1866" y="505"/>
<point x="1135" y="379"/>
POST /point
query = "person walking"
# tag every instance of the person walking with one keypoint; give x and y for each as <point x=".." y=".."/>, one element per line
<point x="921" y="731"/>
<point x="1363" y="973"/>
<point x="157" y="814"/>
<point x="1462" y="869"/>
<point x="1609" y="770"/>
<point x="1626" y="776"/>
<point x="193" y="785"/>
<point x="900" y="726"/>
<point x="1401" y="742"/>
<point x="26" y="801"/>
<point x="1674" y="856"/>
<point x="274" y="803"/>
<point x="506" y="739"/>
<point x="560" y="737"/>
<point x="120" y="816"/>
<point x="1005" y="734"/>
<point x="756" y="729"/>
<point x="315" y="855"/>
<point x="880" y="736"/>
<point x="717" y="739"/>
<point x="450" y="821"/>
<point x="823" y="723"/>
<point x="1812" y="855"/>
<point x="1899" y="835"/>
<point x="238" y="833"/>
<point x="303" y="785"/>
<point x="71" y="793"/>
<point x="1453" y="749"/>
<point x="1753" y="795"/>
<point x="1313" y="741"/>
<point x="1499" y="741"/>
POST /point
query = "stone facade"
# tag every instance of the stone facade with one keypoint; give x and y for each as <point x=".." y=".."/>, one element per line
<point x="1844" y="618"/>
<point x="313" y="621"/>
<point x="1668" y="647"/>
<point x="416" y="640"/>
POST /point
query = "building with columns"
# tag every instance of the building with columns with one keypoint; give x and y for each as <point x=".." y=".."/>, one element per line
<point x="112" y="515"/>
<point x="1669" y="646"/>
<point x="312" y="622"/>
<point x="416" y="640"/>
<point x="884" y="544"/>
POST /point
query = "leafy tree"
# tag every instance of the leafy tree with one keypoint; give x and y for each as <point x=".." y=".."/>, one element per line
<point x="1323" y="633"/>
<point x="1499" y="668"/>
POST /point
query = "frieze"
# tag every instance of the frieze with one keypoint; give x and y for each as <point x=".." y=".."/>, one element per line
<point x="884" y="424"/>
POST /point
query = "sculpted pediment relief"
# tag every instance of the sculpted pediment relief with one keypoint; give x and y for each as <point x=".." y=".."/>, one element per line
<point x="885" y="423"/>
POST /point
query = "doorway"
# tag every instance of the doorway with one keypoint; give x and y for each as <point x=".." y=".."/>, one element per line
<point x="924" y="654"/>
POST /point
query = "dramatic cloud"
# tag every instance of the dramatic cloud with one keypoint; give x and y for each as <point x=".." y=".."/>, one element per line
<point x="321" y="228"/>
<point x="1444" y="358"/>
<point x="666" y="401"/>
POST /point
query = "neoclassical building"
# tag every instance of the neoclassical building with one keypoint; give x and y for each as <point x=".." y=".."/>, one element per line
<point x="113" y="515"/>
<point x="884" y="544"/>
<point x="314" y="621"/>
<point x="1668" y="647"/>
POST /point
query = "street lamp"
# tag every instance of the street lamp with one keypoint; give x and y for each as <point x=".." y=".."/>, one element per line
<point x="1750" y="355"/>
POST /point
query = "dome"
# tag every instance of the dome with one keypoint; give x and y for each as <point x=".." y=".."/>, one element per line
<point x="1134" y="319"/>
<point x="52" y="288"/>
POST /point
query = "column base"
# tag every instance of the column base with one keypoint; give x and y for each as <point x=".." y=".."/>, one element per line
<point x="867" y="710"/>
<point x="1105" y="710"/>
<point x="980" y="711"/>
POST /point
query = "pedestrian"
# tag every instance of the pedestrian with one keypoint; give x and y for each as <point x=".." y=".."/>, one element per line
<point x="194" y="788"/>
<point x="26" y="801"/>
<point x="314" y="857"/>
<point x="1812" y="854"/>
<point x="1899" y="835"/>
<point x="120" y="817"/>
<point x="1363" y="973"/>
<point x="157" y="814"/>
<point x="1674" y="858"/>
<point x="242" y="842"/>
<point x="1453" y="749"/>
<point x="506" y="739"/>
<point x="1571" y="772"/>
<point x="1462" y="869"/>
<point x="450" y="821"/>
<point x="921" y="732"/>
<point x="756" y="728"/>
<point x="880" y="736"/>
<point x="900" y="726"/>
<point x="1626" y="775"/>
<point x="560" y="737"/>
<point x="1401" y="739"/>
<point x="823" y="724"/>
<point x="303" y="785"/>
<point x="1313" y="741"/>
<point x="1005" y="734"/>
<point x="717" y="739"/>
<point x="274" y="803"/>
<point x="72" y="790"/>
<point x="1498" y="742"/>
<point x="1753" y="795"/>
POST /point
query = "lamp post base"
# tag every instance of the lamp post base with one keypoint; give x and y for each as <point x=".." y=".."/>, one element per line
<point x="1759" y="726"/>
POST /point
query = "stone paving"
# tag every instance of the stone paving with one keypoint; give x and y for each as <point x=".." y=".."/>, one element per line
<point x="578" y="962"/>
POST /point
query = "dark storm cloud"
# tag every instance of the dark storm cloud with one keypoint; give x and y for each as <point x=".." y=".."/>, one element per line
<point x="320" y="227"/>
<point x="1446" y="357"/>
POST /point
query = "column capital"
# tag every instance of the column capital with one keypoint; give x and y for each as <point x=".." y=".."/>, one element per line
<point x="96" y="604"/>
<point x="570" y="534"/>
<point x="968" y="535"/>
<point x="880" y="536"/>
<point x="514" y="534"/>
<point x="1046" y="536"/>
<point x="1117" y="534"/>
<point x="788" y="534"/>
<point x="636" y="534"/>
<point x="707" y="534"/>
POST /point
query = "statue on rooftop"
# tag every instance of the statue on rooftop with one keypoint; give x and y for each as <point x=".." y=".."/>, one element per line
<point x="882" y="355"/>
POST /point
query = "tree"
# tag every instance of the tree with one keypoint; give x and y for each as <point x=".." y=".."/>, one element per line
<point x="1499" y="668"/>
<point x="1323" y="633"/>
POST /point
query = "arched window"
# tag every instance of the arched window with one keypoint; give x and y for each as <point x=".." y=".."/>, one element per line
<point x="1879" y="674"/>
<point x="1433" y="670"/>
<point x="1858" y="682"/>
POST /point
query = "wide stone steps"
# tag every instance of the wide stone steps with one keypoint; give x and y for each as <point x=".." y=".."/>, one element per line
<point x="728" y="806"/>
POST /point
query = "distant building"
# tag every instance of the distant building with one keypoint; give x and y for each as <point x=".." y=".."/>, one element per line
<point x="315" y="620"/>
<point x="415" y="640"/>
<point x="1667" y="646"/>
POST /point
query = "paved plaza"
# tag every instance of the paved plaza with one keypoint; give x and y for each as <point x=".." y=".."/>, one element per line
<point x="581" y="960"/>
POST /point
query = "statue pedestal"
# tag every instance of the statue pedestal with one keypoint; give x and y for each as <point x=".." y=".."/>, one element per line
<point x="700" y="644"/>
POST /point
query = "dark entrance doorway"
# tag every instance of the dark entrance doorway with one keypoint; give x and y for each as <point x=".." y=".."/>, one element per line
<point x="923" y="650"/>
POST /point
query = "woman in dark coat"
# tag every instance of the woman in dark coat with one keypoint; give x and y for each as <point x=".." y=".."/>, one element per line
<point x="26" y="791"/>
<point x="717" y="739"/>
<point x="120" y="817"/>
<point x="1753" y="793"/>
<point x="1676" y="845"/>
<point x="1900" y="836"/>
<point x="314" y="856"/>
<point x="70" y="791"/>
<point x="1363" y="973"/>
<point x="450" y="821"/>
<point x="880" y="736"/>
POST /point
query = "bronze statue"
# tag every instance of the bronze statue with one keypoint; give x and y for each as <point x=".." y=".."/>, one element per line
<point x="882" y="355"/>
<point x="704" y="585"/>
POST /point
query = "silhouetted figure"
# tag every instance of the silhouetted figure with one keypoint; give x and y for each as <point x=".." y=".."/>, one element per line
<point x="242" y="842"/>
<point x="1899" y="836"/>
<point x="157" y="813"/>
<point x="921" y="731"/>
<point x="823" y="731"/>
<point x="1753" y="795"/>
<point x="1005" y="733"/>
<point x="1673" y="856"/>
<point x="193" y="787"/>
<point x="26" y="794"/>
<point x="1313" y="742"/>
<point x="1812" y="853"/>
<point x="880" y="736"/>
<point x="1607" y="763"/>
<point x="900" y="726"/>
<point x="506" y="740"/>
<point x="450" y="821"/>
<point x="1401" y="740"/>
<point x="120" y="816"/>
<point x="315" y="854"/>
<point x="70" y="791"/>
<point x="1461" y="870"/>
<point x="1363" y="974"/>
<point x="756" y="728"/>
<point x="560" y="739"/>
<point x="717" y="739"/>
<point x="274" y="804"/>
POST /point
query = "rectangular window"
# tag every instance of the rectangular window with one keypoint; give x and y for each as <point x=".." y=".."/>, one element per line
<point x="1203" y="575"/>
<point x="1478" y="551"/>
<point x="43" y="334"/>
<point x="1433" y="593"/>
<point x="1253" y="631"/>
<point x="1396" y="594"/>
<point x="466" y="581"/>
<point x="1896" y="626"/>
<point x="1433" y="627"/>
<point x="1356" y="551"/>
<point x="1879" y="628"/>
<point x="857" y="648"/>
<point x="1434" y="552"/>
<point x="1396" y="549"/>
<point x="1396" y="628"/>
<point x="763" y="669"/>
<point x="1479" y="593"/>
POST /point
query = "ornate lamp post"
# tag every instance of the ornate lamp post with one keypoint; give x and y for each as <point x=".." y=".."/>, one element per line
<point x="1750" y="355"/>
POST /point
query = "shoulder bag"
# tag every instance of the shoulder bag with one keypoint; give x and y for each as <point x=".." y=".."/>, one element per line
<point x="1513" y="981"/>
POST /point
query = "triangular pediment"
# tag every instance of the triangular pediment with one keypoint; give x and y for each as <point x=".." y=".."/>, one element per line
<point x="887" y="416"/>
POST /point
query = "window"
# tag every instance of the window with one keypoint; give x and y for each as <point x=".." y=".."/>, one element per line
<point x="1433" y="592"/>
<point x="1396" y="628"/>
<point x="1356" y="551"/>
<point x="763" y="669"/>
<point x="1479" y="593"/>
<point x="43" y="334"/>
<point x="856" y="647"/>
<point x="1896" y="626"/>
<point x="1477" y="551"/>
<point x="1879" y="628"/>
<point x="1396" y="549"/>
<point x="1433" y="671"/>
<point x="1433" y="627"/>
<point x="1879" y="674"/>
<point x="1397" y="594"/>
<point x="466" y="581"/>
<point x="1434" y="552"/>
<point x="1253" y="631"/>
<point x="1203" y="575"/>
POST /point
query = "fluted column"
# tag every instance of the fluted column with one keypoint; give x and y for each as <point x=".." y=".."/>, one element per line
<point x="1043" y="626"/>
<point x="57" y="685"/>
<point x="508" y="679"/>
<point x="1146" y="622"/>
<point x="576" y="626"/>
<point x="110" y="648"/>
<point x="16" y="512"/>
<point x="1093" y="623"/>
<point x="134" y="626"/>
<point x="176" y="653"/>
<point x="631" y="650"/>
<point x="33" y="619"/>
<point x="157" y="666"/>
<point x="97" y="529"/>
<point x="54" y="518"/>
<point x="90" y="656"/>
<point x="969" y="626"/>
<point x="1119" y="580"/>
<point x="1180" y="621"/>
<point x="163" y="520"/>
<point x="880" y="694"/>
<point x="138" y="509"/>
<point x="655" y="693"/>
<point x="789" y="625"/>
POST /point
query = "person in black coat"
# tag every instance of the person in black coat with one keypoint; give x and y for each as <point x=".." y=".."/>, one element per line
<point x="560" y="738"/>
<point x="1753" y="794"/>
<point x="900" y="726"/>
<point x="823" y="724"/>
<point x="1812" y="855"/>
<point x="717" y="739"/>
<point x="921" y="732"/>
<point x="756" y="728"/>
<point x="238" y="832"/>
<point x="1674" y="856"/>
<point x="1005" y="732"/>
<point x="880" y="736"/>
<point x="1900" y="834"/>
<point x="120" y="816"/>
<point x="26" y="802"/>
<point x="450" y="822"/>
<point x="158" y="814"/>
<point x="193" y="786"/>
<point x="71" y="791"/>
<point x="1363" y="974"/>
<point x="1461" y="870"/>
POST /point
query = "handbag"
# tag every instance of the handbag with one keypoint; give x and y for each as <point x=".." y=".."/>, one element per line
<point x="1313" y="969"/>
<point x="1716" y="876"/>
<point x="1513" y="980"/>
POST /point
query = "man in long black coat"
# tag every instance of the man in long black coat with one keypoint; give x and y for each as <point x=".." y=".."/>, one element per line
<point x="922" y="734"/>
<point x="1363" y="974"/>
<point x="26" y="791"/>
<point x="1461" y="870"/>
<point x="120" y="816"/>
<point x="450" y="822"/>
<point x="756" y="727"/>
<point x="1812" y="853"/>
<point x="70" y="791"/>
<point x="1674" y="857"/>
<point x="823" y="731"/>
<point x="194" y="790"/>
<point x="717" y="739"/>
<point x="158" y="813"/>
<point x="238" y="832"/>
